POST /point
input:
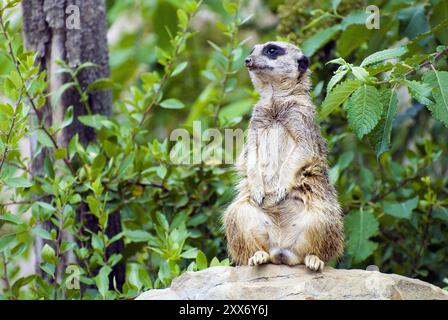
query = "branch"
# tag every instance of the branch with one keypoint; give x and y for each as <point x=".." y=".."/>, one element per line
<point x="8" y="136"/>
<point x="381" y="196"/>
<point x="5" y="273"/>
<point x="436" y="56"/>
<point x="33" y="105"/>
<point x="168" y="69"/>
<point x="229" y="68"/>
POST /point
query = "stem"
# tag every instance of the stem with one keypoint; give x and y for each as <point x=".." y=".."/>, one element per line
<point x="381" y="196"/>
<point x="168" y="72"/>
<point x="5" y="273"/>
<point x="229" y="67"/>
<point x="424" y="241"/>
<point x="8" y="136"/>
<point x="58" y="252"/>
<point x="435" y="55"/>
<point x="82" y="96"/>
<point x="33" y="105"/>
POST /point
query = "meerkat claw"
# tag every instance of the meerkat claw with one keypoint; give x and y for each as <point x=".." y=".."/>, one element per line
<point x="281" y="195"/>
<point x="258" y="198"/>
<point x="313" y="263"/>
<point x="260" y="257"/>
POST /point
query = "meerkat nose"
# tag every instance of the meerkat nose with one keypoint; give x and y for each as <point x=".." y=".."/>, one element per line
<point x="248" y="61"/>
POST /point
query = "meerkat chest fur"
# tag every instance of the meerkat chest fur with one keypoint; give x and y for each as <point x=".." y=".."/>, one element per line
<point x="277" y="142"/>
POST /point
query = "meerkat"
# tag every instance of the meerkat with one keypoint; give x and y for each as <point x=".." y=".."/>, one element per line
<point x="286" y="210"/>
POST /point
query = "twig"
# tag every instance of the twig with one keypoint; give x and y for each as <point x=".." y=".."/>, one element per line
<point x="16" y="203"/>
<point x="167" y="74"/>
<point x="424" y="241"/>
<point x="5" y="273"/>
<point x="435" y="55"/>
<point x="228" y="70"/>
<point x="33" y="105"/>
<point x="8" y="136"/>
<point x="381" y="196"/>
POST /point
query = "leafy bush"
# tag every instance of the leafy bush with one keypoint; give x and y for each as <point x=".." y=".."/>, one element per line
<point x="385" y="91"/>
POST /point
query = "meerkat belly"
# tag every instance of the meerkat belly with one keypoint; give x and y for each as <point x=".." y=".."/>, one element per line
<point x="275" y="144"/>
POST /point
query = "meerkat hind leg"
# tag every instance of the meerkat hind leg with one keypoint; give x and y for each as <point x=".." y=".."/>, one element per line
<point x="260" y="257"/>
<point x="313" y="262"/>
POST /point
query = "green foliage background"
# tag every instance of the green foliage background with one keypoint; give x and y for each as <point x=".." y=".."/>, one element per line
<point x="382" y="103"/>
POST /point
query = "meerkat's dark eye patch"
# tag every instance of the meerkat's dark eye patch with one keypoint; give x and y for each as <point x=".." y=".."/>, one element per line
<point x="303" y="63"/>
<point x="273" y="51"/>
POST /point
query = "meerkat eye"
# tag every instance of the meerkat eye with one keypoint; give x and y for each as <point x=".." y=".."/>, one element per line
<point x="272" y="51"/>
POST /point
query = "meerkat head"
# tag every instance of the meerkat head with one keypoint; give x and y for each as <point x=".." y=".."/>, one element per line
<point x="280" y="65"/>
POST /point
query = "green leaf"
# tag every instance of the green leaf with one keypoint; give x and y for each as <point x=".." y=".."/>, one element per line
<point x="102" y="280"/>
<point x="355" y="17"/>
<point x="172" y="104"/>
<point x="383" y="55"/>
<point x="48" y="255"/>
<point x="18" y="183"/>
<point x="414" y="20"/>
<point x="190" y="254"/>
<point x="163" y="222"/>
<point x="335" y="4"/>
<point x="201" y="260"/>
<point x="351" y="39"/>
<point x="11" y="218"/>
<point x="338" y="76"/>
<point x="60" y="154"/>
<point x="68" y="118"/>
<point x="439" y="14"/>
<point x="182" y="17"/>
<point x="100" y="84"/>
<point x="137" y="235"/>
<point x="179" y="68"/>
<point x="420" y="91"/>
<point x="337" y="96"/>
<point x="438" y="80"/>
<point x="44" y="234"/>
<point x="361" y="74"/>
<point x="401" y="210"/>
<point x="438" y="213"/>
<point x="48" y="268"/>
<point x="318" y="40"/>
<point x="44" y="139"/>
<point x="86" y="65"/>
<point x="383" y="131"/>
<point x="5" y="241"/>
<point x="94" y="121"/>
<point x="56" y="95"/>
<point x="215" y="262"/>
<point x="359" y="227"/>
<point x="236" y="109"/>
<point x="364" y="110"/>
<point x="46" y="206"/>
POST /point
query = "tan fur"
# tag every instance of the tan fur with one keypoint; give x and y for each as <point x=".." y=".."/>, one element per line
<point x="286" y="206"/>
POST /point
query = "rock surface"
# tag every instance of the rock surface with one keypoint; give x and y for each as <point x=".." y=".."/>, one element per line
<point x="282" y="282"/>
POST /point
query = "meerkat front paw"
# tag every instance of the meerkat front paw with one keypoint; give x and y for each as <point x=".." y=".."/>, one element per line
<point x="257" y="196"/>
<point x="313" y="263"/>
<point x="280" y="194"/>
<point x="260" y="257"/>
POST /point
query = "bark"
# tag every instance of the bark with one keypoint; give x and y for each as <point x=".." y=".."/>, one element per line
<point x="50" y="29"/>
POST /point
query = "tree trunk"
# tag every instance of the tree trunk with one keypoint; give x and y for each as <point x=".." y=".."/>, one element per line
<point x="73" y="31"/>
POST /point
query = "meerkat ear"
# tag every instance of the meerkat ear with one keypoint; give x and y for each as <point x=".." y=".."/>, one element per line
<point x="303" y="63"/>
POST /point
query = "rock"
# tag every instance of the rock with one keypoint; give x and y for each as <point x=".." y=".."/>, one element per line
<point x="283" y="282"/>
